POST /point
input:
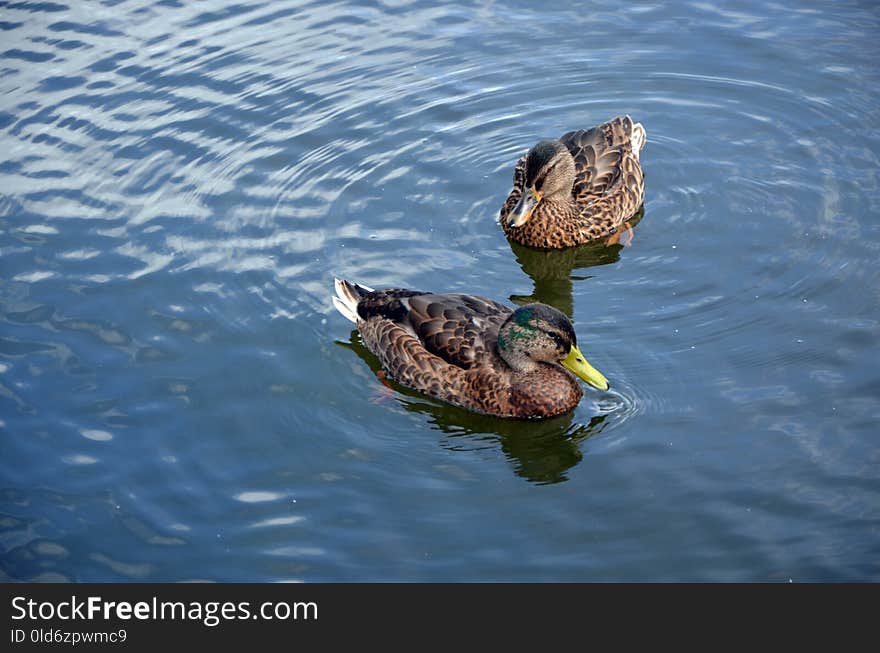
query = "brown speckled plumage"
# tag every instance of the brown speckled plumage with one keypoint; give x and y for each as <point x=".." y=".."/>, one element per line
<point x="447" y="346"/>
<point x="608" y="187"/>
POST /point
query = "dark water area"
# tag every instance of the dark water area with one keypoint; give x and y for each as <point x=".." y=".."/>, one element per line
<point x="180" y="182"/>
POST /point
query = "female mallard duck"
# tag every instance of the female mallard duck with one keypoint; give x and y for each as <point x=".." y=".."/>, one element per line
<point x="576" y="189"/>
<point x="471" y="351"/>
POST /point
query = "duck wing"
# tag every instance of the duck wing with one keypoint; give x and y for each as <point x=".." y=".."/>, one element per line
<point x="460" y="329"/>
<point x="599" y="155"/>
<point x="519" y="183"/>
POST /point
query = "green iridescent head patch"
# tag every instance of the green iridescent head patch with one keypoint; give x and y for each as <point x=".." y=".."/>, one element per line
<point x="524" y="316"/>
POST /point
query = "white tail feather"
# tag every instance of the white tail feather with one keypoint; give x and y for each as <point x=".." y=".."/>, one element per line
<point x="345" y="310"/>
<point x="348" y="295"/>
<point x="639" y="137"/>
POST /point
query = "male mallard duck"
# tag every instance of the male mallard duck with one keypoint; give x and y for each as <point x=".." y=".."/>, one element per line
<point x="471" y="351"/>
<point x="576" y="189"/>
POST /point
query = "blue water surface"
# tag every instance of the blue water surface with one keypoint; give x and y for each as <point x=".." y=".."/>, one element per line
<point x="181" y="181"/>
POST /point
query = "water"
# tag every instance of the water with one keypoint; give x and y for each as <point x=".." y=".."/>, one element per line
<point x="182" y="181"/>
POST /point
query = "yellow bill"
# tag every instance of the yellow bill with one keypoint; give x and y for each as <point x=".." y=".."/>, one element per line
<point x="577" y="364"/>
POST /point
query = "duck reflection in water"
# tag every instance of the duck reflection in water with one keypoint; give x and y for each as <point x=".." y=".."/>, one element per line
<point x="540" y="451"/>
<point x="551" y="269"/>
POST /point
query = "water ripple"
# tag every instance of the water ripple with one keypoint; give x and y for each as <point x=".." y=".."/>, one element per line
<point x="182" y="181"/>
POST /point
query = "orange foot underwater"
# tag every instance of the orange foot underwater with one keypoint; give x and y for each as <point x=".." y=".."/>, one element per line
<point x="384" y="393"/>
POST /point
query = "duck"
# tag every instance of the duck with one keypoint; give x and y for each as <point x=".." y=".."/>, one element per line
<point x="470" y="351"/>
<point x="576" y="189"/>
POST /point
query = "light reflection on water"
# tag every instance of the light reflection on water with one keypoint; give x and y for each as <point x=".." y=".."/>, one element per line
<point x="181" y="182"/>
